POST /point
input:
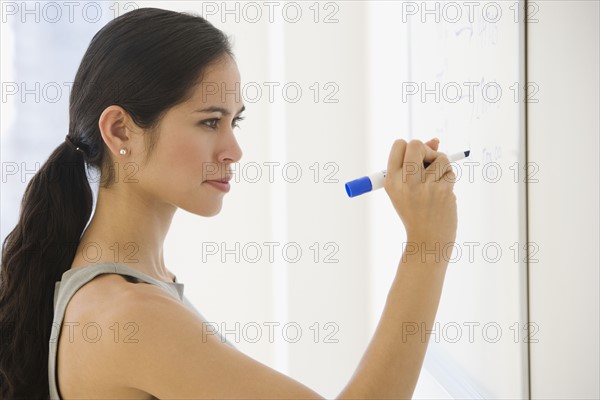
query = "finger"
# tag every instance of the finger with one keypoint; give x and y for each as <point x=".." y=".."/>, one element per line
<point x="449" y="177"/>
<point x="433" y="143"/>
<point x="416" y="153"/>
<point x="436" y="170"/>
<point x="396" y="157"/>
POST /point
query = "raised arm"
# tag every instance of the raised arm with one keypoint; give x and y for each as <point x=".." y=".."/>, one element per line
<point x="176" y="358"/>
<point x="427" y="206"/>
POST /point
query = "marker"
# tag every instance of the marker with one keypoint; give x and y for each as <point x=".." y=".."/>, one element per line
<point x="375" y="181"/>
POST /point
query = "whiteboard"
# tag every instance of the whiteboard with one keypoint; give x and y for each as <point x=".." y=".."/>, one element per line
<point x="462" y="80"/>
<point x="468" y="90"/>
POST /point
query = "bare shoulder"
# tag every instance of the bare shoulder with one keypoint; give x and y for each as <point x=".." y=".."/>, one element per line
<point x="95" y="321"/>
<point x="153" y="345"/>
<point x="105" y="293"/>
<point x="176" y="355"/>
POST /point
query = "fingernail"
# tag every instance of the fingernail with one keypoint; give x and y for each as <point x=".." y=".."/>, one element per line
<point x="436" y="139"/>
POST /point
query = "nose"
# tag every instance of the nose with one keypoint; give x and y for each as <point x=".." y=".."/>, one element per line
<point x="232" y="153"/>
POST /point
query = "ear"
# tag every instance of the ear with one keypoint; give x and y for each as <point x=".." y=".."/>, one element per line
<point x="114" y="129"/>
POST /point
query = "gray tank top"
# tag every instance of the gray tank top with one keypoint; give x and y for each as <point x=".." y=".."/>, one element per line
<point x="73" y="279"/>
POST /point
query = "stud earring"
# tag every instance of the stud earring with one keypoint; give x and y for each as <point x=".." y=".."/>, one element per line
<point x="122" y="152"/>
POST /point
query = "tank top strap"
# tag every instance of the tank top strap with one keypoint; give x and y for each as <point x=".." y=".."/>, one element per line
<point x="73" y="279"/>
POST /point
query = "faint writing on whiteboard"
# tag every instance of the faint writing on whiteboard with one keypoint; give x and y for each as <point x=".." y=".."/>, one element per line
<point x="480" y="32"/>
<point x="491" y="154"/>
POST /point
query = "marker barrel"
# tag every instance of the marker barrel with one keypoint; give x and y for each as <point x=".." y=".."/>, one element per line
<point x="375" y="180"/>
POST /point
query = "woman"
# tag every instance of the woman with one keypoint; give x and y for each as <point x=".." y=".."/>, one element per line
<point x="140" y="114"/>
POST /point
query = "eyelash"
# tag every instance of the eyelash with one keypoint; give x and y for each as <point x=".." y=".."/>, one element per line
<point x="235" y="121"/>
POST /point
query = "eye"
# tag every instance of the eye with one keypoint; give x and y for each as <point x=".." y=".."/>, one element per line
<point x="209" y="122"/>
<point x="236" y="120"/>
<point x="212" y="123"/>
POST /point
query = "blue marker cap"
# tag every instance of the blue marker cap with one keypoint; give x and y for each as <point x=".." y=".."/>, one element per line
<point x="359" y="186"/>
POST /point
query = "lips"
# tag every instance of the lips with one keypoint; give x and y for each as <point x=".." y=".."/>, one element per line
<point x="220" y="184"/>
<point x="223" y="180"/>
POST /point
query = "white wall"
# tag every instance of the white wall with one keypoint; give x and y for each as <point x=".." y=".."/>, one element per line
<point x="563" y="207"/>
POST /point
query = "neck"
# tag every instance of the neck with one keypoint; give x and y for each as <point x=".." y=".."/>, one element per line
<point x="127" y="228"/>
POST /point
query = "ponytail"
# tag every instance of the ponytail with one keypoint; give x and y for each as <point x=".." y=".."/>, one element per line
<point x="55" y="208"/>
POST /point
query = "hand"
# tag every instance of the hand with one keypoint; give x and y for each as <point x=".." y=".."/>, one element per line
<point x="423" y="198"/>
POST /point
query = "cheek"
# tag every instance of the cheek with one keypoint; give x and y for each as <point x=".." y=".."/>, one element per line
<point x="190" y="160"/>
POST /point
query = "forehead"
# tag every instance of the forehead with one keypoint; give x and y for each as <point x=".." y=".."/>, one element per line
<point x="220" y="84"/>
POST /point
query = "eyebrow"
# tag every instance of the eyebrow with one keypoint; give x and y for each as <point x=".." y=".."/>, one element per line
<point x="222" y="110"/>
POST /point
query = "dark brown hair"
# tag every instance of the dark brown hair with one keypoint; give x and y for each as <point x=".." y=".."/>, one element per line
<point x="145" y="61"/>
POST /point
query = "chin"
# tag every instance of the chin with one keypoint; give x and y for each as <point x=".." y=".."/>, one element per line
<point x="205" y="211"/>
<point x="204" y="206"/>
<point x="213" y="213"/>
